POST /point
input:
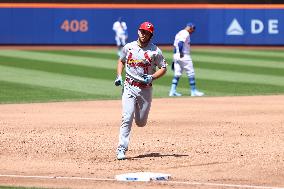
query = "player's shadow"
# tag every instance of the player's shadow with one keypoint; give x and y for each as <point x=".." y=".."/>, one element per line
<point x="158" y="155"/>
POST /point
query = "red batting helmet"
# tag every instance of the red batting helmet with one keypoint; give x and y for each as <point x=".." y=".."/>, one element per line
<point x="147" y="26"/>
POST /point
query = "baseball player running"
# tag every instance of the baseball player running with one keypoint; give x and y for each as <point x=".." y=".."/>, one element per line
<point x="183" y="61"/>
<point x="121" y="34"/>
<point x="140" y="59"/>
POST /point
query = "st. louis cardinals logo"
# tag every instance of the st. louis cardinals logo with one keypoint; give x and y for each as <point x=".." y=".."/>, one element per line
<point x="149" y="25"/>
<point x="142" y="63"/>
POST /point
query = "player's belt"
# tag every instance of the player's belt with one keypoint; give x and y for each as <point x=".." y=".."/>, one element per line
<point x="138" y="84"/>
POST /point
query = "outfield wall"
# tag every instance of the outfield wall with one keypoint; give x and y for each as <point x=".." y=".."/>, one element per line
<point x="91" y="24"/>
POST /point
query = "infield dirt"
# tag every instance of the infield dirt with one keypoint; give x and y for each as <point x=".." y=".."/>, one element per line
<point x="228" y="140"/>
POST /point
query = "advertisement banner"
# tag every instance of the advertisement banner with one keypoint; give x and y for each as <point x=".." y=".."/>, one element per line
<point x="93" y="26"/>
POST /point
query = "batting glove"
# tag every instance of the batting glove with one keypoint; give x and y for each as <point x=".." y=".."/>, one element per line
<point x="118" y="81"/>
<point x="147" y="78"/>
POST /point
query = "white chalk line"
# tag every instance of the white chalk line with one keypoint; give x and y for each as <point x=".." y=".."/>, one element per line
<point x="57" y="177"/>
<point x="164" y="182"/>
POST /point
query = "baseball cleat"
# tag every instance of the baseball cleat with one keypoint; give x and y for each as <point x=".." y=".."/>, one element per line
<point x="196" y="93"/>
<point x="174" y="94"/>
<point x="121" y="154"/>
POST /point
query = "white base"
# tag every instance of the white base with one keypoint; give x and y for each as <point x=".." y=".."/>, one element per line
<point x="142" y="176"/>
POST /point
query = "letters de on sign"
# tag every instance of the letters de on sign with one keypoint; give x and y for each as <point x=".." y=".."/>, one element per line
<point x="257" y="26"/>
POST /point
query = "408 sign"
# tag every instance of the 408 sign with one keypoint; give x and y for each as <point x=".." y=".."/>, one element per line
<point x="74" y="25"/>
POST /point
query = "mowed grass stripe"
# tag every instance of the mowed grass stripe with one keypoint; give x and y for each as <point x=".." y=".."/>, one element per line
<point x="59" y="81"/>
<point x="109" y="50"/>
<point x="61" y="68"/>
<point x="241" y="51"/>
<point x="237" y="61"/>
<point x="219" y="87"/>
<point x="246" y="68"/>
<point x="102" y="63"/>
<point x="111" y="64"/>
<point x="107" y="74"/>
<point x="65" y="82"/>
<point x="90" y="54"/>
<point x="218" y="80"/>
<point x="260" y="56"/>
<point x="94" y="54"/>
<point x="33" y="93"/>
<point x="229" y="53"/>
<point x="240" y="68"/>
<point x="93" y="89"/>
<point x="239" y="77"/>
<point x="234" y="88"/>
<point x="64" y="69"/>
<point x="105" y="90"/>
<point x="92" y="72"/>
<point x="232" y="61"/>
<point x="47" y="57"/>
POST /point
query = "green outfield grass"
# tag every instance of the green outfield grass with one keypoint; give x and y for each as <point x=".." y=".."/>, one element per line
<point x="88" y="74"/>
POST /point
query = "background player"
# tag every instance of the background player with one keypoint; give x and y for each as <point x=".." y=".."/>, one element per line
<point x="140" y="59"/>
<point x="183" y="61"/>
<point x="121" y="34"/>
